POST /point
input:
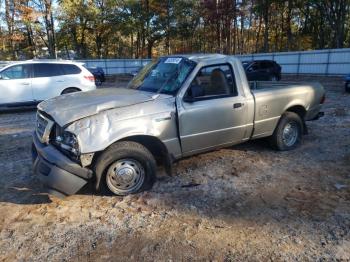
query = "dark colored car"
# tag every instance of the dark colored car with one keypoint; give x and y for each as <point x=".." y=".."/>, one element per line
<point x="98" y="73"/>
<point x="347" y="83"/>
<point x="262" y="70"/>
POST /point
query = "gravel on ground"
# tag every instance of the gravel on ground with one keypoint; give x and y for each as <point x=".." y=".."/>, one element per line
<point x="246" y="202"/>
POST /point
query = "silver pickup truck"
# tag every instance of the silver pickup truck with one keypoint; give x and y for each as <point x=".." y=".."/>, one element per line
<point x="174" y="107"/>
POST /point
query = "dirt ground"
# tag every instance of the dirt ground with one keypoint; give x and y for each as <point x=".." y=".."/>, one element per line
<point x="244" y="203"/>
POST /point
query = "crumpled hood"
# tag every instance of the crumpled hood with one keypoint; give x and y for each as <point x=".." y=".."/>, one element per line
<point x="70" y="107"/>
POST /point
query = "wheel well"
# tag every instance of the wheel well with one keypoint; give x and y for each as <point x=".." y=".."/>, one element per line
<point x="69" y="88"/>
<point x="155" y="146"/>
<point x="299" y="110"/>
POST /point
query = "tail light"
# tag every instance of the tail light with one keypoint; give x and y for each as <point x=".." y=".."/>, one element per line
<point x="323" y="99"/>
<point x="90" y="78"/>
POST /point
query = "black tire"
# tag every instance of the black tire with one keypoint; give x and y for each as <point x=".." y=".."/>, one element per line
<point x="106" y="167"/>
<point x="70" y="90"/>
<point x="273" y="78"/>
<point x="347" y="87"/>
<point x="288" y="121"/>
<point x="98" y="81"/>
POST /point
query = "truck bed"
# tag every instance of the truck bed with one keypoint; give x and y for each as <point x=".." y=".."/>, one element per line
<point x="274" y="98"/>
<point x="258" y="85"/>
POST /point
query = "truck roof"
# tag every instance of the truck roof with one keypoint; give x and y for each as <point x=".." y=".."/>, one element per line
<point x="200" y="57"/>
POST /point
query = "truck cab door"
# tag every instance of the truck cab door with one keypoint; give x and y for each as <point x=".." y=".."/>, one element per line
<point x="212" y="113"/>
<point x="16" y="85"/>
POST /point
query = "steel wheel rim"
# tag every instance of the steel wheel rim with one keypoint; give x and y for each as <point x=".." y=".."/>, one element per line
<point x="125" y="175"/>
<point x="290" y="134"/>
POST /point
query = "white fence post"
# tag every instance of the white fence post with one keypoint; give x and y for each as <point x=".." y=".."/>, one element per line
<point x="298" y="65"/>
<point x="327" y="65"/>
<point x="106" y="67"/>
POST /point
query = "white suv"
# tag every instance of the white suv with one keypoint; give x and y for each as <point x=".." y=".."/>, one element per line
<point x="29" y="82"/>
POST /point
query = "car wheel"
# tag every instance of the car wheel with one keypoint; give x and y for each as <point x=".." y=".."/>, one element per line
<point x="98" y="81"/>
<point x="347" y="87"/>
<point x="273" y="78"/>
<point x="126" y="168"/>
<point x="70" y="90"/>
<point x="288" y="133"/>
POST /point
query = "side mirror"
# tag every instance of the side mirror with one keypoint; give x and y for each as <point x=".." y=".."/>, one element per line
<point x="193" y="93"/>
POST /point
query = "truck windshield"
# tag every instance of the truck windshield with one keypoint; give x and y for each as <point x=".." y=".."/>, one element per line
<point x="165" y="75"/>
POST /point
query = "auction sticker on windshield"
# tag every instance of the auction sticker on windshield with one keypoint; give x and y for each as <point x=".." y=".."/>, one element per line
<point x="173" y="60"/>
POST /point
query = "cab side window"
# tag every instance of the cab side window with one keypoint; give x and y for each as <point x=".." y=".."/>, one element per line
<point x="212" y="82"/>
<point x="16" y="72"/>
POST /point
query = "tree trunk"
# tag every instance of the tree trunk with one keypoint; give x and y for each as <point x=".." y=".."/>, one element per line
<point x="167" y="40"/>
<point x="234" y="32"/>
<point x="257" y="49"/>
<point x="30" y="40"/>
<point x="266" y="30"/>
<point x="98" y="42"/>
<point x="289" y="27"/>
<point x="242" y="34"/>
<point x="150" y="44"/>
<point x="10" y="7"/>
<point x="50" y="30"/>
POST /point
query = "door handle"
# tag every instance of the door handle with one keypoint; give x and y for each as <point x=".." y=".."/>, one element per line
<point x="25" y="83"/>
<point x="237" y="105"/>
<point x="60" y="81"/>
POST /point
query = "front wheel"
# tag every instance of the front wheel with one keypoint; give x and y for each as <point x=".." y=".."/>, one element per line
<point x="288" y="133"/>
<point x="126" y="168"/>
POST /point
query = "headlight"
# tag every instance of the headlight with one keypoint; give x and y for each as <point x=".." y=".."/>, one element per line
<point x="68" y="141"/>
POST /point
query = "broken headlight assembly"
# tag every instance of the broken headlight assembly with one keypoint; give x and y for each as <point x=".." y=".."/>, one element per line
<point x="68" y="141"/>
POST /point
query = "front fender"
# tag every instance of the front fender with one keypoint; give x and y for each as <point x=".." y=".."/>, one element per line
<point x="97" y="132"/>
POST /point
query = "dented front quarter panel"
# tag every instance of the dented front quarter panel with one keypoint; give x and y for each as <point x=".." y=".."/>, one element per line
<point x="156" y="118"/>
<point x="74" y="106"/>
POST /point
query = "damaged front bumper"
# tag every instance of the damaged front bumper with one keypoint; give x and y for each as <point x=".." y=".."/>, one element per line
<point x="58" y="173"/>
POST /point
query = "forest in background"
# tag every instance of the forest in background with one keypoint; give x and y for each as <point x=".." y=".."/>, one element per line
<point x="146" y="28"/>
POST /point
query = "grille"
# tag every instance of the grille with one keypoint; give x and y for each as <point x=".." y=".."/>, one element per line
<point x="41" y="124"/>
<point x="43" y="127"/>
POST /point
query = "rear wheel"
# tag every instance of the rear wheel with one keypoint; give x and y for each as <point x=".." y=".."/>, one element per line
<point x="70" y="90"/>
<point x="126" y="168"/>
<point x="347" y="87"/>
<point x="98" y="81"/>
<point x="273" y="78"/>
<point x="288" y="133"/>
